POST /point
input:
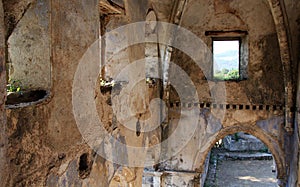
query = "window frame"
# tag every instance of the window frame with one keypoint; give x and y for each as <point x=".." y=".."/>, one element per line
<point x="229" y="38"/>
<point x="242" y="36"/>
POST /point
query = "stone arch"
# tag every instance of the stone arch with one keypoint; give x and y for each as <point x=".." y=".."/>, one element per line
<point x="279" y="20"/>
<point x="267" y="139"/>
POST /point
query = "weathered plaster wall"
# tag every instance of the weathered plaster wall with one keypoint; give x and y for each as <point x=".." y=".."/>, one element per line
<point x="29" y="48"/>
<point x="265" y="77"/>
<point x="30" y="159"/>
<point x="46" y="148"/>
<point x="119" y="60"/>
<point x="13" y="12"/>
<point x="262" y="124"/>
<point x="136" y="108"/>
<point x="3" y="136"/>
<point x="293" y="24"/>
<point x="75" y="26"/>
<point x="44" y="142"/>
<point x="264" y="85"/>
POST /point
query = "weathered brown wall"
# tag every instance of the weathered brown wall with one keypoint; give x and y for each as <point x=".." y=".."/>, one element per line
<point x="75" y="26"/>
<point x="29" y="48"/>
<point x="3" y="135"/>
<point x="292" y="16"/>
<point x="264" y="85"/>
<point x="43" y="137"/>
<point x="45" y="147"/>
<point x="265" y="77"/>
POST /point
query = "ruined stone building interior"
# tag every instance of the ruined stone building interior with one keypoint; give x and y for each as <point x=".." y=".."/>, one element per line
<point x="152" y="93"/>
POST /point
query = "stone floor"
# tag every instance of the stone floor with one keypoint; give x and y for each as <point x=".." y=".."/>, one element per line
<point x="231" y="169"/>
<point x="254" y="173"/>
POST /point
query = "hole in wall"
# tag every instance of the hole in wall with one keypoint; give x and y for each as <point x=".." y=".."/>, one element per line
<point x="227" y="106"/>
<point x="84" y="166"/>
<point x="15" y="98"/>
<point x="241" y="107"/>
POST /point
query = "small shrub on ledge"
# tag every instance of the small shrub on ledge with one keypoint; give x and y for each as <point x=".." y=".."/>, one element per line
<point x="13" y="86"/>
<point x="16" y="94"/>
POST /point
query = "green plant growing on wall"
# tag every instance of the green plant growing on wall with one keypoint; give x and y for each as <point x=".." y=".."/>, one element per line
<point x="14" y="85"/>
<point x="236" y="137"/>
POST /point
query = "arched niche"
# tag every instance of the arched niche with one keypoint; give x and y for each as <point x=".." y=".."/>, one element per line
<point x="268" y="140"/>
<point x="28" y="62"/>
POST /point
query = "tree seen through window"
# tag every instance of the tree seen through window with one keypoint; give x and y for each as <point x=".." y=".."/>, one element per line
<point x="226" y="59"/>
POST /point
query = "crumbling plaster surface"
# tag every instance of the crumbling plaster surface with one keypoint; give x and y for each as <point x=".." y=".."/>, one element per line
<point x="50" y="129"/>
<point x="237" y="15"/>
<point x="261" y="87"/>
<point x="163" y="9"/>
<point x="29" y="48"/>
<point x="46" y="137"/>
<point x="264" y="125"/>
<point x="3" y="136"/>
<point x="30" y="159"/>
<point x="75" y="27"/>
<point x="14" y="10"/>
<point x="293" y="18"/>
<point x="265" y="84"/>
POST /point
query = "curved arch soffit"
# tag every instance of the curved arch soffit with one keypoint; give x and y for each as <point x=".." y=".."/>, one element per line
<point x="279" y="20"/>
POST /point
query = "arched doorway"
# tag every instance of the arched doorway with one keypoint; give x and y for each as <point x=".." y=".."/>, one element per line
<point x="272" y="141"/>
<point x="241" y="159"/>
